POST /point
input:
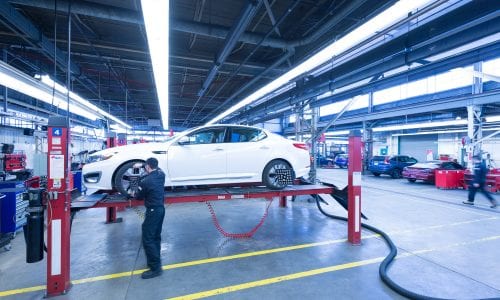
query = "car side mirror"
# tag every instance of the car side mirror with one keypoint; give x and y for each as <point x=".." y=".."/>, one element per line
<point x="183" y="141"/>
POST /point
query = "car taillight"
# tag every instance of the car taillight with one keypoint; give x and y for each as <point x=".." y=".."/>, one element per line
<point x="301" y="146"/>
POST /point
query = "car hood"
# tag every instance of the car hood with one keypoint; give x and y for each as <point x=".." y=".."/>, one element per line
<point x="424" y="166"/>
<point x="134" y="148"/>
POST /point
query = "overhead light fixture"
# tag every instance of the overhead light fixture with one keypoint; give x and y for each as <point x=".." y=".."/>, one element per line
<point x="388" y="17"/>
<point x="15" y="83"/>
<point x="156" y="20"/>
<point x="421" y="125"/>
<point x="42" y="89"/>
<point x="338" y="132"/>
<point x="118" y="128"/>
<point x="492" y="119"/>
<point x="75" y="97"/>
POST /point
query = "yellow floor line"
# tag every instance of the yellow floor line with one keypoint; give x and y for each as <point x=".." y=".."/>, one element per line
<point x="263" y="282"/>
<point x="225" y="258"/>
<point x="186" y="264"/>
<point x="252" y="284"/>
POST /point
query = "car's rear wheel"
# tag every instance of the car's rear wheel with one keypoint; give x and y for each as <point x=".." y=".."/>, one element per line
<point x="412" y="179"/>
<point x="329" y="164"/>
<point x="376" y="174"/>
<point x="396" y="173"/>
<point x="271" y="176"/>
<point x="125" y="179"/>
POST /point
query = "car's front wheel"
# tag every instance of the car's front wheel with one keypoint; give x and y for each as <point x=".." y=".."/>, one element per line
<point x="274" y="174"/>
<point x="126" y="178"/>
<point x="376" y="174"/>
<point x="412" y="179"/>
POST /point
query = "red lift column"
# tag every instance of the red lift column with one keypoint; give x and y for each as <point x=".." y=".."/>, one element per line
<point x="354" y="188"/>
<point x="59" y="208"/>
<point x="112" y="141"/>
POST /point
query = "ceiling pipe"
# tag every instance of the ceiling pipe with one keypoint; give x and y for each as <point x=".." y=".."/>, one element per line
<point x="232" y="38"/>
<point x="276" y="64"/>
<point x="216" y="31"/>
<point x="87" y="9"/>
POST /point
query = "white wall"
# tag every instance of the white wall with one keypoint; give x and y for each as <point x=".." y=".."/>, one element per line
<point x="271" y="125"/>
<point x="27" y="144"/>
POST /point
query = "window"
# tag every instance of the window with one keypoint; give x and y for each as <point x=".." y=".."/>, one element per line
<point x="207" y="136"/>
<point x="412" y="160"/>
<point x="243" y="134"/>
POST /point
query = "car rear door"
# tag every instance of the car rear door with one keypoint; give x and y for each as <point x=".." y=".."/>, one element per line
<point x="248" y="150"/>
<point x="201" y="156"/>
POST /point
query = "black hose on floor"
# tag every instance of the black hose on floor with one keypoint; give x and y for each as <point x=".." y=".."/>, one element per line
<point x="382" y="270"/>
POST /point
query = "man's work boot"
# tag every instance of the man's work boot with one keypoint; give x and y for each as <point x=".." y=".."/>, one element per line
<point x="151" y="274"/>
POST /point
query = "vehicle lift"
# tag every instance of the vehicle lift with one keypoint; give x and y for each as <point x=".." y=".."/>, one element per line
<point x="61" y="206"/>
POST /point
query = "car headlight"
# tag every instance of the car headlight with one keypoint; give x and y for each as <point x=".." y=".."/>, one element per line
<point x="96" y="158"/>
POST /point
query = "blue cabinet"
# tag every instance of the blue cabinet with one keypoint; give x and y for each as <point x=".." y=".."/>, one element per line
<point x="12" y="207"/>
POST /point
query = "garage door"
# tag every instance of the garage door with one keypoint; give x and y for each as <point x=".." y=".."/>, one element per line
<point x="419" y="145"/>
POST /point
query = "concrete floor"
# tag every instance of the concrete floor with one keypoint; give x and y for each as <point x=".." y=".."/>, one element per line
<point x="446" y="250"/>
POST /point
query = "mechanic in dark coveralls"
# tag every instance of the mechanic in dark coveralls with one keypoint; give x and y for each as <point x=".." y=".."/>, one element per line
<point x="151" y="189"/>
<point x="478" y="182"/>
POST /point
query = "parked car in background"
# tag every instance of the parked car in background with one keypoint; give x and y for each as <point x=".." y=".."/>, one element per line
<point x="390" y="165"/>
<point x="206" y="155"/>
<point x="342" y="161"/>
<point x="323" y="161"/>
<point x="427" y="171"/>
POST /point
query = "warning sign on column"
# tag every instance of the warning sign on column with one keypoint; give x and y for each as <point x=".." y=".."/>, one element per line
<point x="56" y="163"/>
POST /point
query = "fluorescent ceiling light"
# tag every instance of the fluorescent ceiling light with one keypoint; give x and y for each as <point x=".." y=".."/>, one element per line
<point x="156" y="19"/>
<point x="75" y="97"/>
<point x="493" y="119"/>
<point x="444" y="131"/>
<point x="338" y="132"/>
<point x="118" y="128"/>
<point x="421" y="125"/>
<point x="32" y="91"/>
<point x="479" y="43"/>
<point x="383" y="20"/>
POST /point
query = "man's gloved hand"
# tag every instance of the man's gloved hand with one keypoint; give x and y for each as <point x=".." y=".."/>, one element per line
<point x="131" y="193"/>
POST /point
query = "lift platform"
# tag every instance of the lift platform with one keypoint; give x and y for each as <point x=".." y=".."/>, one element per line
<point x="101" y="199"/>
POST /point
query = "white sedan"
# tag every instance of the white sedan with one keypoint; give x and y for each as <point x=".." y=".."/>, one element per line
<point x="207" y="155"/>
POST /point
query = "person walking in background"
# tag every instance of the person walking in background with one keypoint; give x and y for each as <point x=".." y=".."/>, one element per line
<point x="478" y="182"/>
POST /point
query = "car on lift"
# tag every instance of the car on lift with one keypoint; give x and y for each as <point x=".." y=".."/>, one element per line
<point x="206" y="155"/>
<point x="390" y="165"/>
<point x="427" y="171"/>
<point x="342" y="161"/>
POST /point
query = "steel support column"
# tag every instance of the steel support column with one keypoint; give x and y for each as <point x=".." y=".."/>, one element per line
<point x="368" y="147"/>
<point x="354" y="188"/>
<point x="474" y="118"/>
<point x="314" y="144"/>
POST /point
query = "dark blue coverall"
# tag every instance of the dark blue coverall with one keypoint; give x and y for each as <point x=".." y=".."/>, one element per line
<point x="151" y="189"/>
<point x="479" y="178"/>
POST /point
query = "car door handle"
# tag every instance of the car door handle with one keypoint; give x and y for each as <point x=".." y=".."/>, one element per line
<point x="218" y="149"/>
<point x="264" y="147"/>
